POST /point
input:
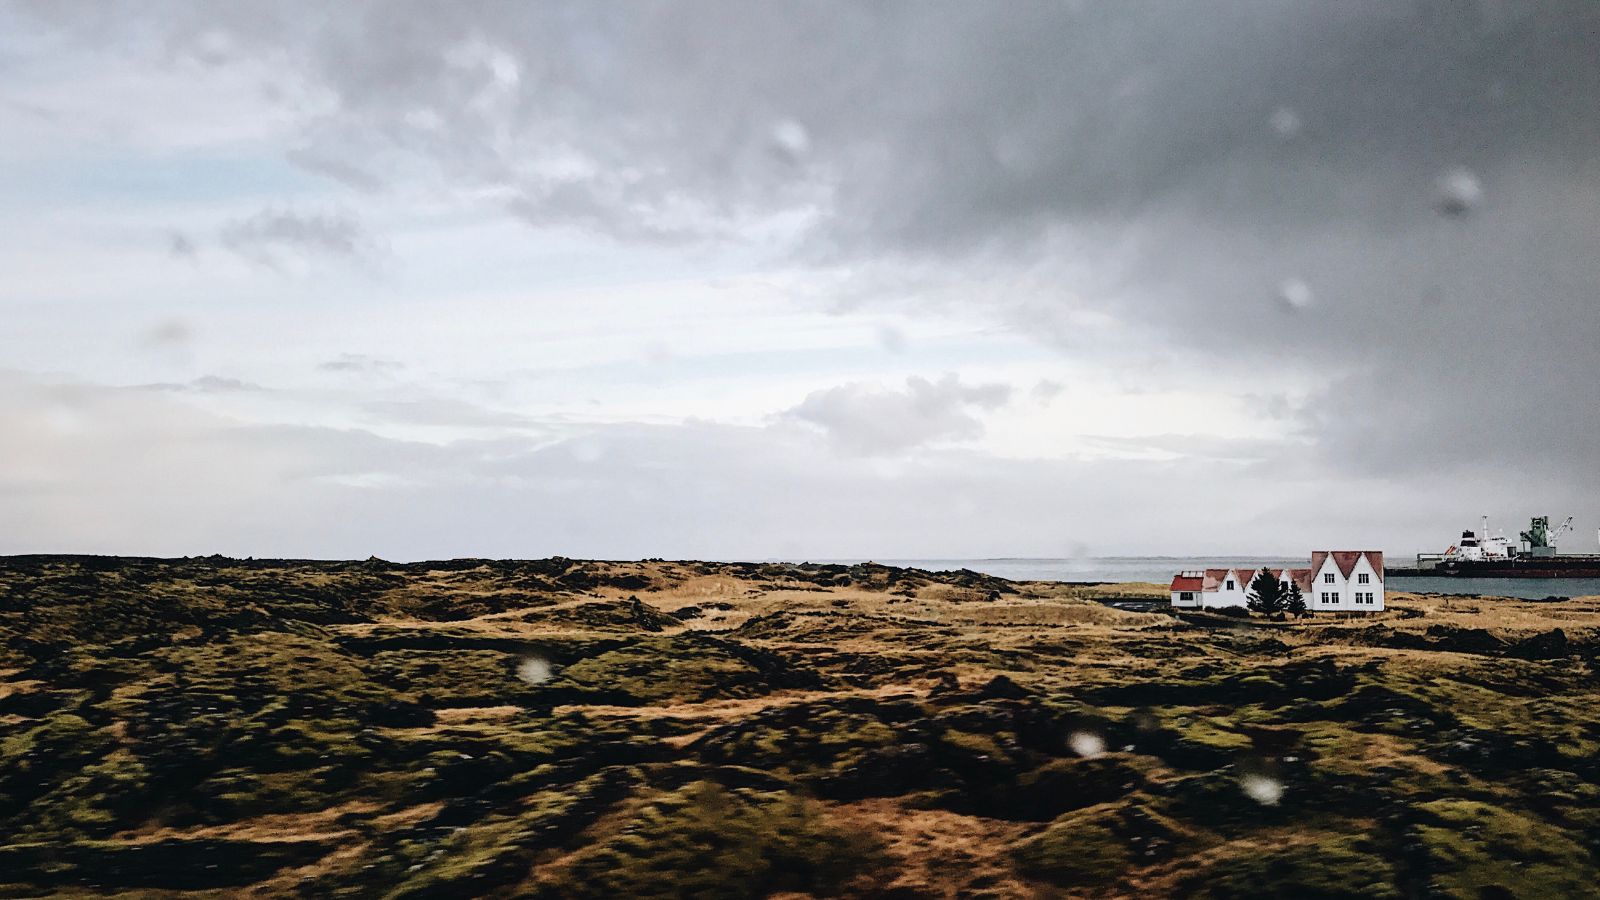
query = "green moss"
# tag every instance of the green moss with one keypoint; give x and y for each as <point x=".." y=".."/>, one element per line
<point x="63" y="775"/>
<point x="501" y="849"/>
<point x="1330" y="867"/>
<point x="1074" y="853"/>
<point x="1472" y="847"/>
<point x="196" y="864"/>
<point x="1210" y="731"/>
<point x="707" y="841"/>
<point x="826" y="744"/>
<point x="683" y="668"/>
<point x="100" y="798"/>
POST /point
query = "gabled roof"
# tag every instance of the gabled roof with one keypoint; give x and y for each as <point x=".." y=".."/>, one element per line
<point x="1210" y="581"/>
<point x="1302" y="577"/>
<point x="1375" y="560"/>
<point x="1346" y="560"/>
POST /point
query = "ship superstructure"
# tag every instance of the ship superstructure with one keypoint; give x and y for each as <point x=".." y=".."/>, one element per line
<point x="1477" y="546"/>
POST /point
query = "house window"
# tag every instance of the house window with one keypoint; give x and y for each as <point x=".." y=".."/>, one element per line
<point x="1186" y="597"/>
<point x="1328" y="578"/>
<point x="1366" y="598"/>
<point x="1363" y="578"/>
<point x="1329" y="597"/>
<point x="1230" y="584"/>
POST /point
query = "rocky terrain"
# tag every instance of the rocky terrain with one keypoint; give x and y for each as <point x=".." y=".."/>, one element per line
<point x="554" y="728"/>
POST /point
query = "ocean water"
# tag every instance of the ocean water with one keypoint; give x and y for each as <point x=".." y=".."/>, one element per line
<point x="1160" y="570"/>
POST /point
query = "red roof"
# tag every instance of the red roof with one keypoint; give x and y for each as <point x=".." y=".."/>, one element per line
<point x="1346" y="560"/>
<point x="1211" y="580"/>
<point x="1375" y="559"/>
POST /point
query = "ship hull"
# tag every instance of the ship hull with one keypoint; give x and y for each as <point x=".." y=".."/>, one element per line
<point x="1566" y="566"/>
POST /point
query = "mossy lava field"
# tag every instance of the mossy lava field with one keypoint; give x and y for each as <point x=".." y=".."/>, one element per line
<point x="557" y="728"/>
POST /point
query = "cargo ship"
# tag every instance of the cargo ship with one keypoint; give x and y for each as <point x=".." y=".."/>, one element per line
<point x="1480" y="554"/>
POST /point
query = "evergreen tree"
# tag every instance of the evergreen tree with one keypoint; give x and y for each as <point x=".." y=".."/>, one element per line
<point x="1266" y="594"/>
<point x="1294" y="602"/>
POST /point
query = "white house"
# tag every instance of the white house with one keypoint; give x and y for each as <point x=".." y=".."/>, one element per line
<point x="1336" y="581"/>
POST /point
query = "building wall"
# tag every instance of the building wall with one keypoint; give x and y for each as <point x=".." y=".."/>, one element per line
<point x="1345" y="589"/>
<point x="1224" y="597"/>
<point x="1374" y="586"/>
<point x="1321" y="587"/>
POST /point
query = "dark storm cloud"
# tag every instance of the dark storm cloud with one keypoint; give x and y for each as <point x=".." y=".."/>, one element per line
<point x="1279" y="183"/>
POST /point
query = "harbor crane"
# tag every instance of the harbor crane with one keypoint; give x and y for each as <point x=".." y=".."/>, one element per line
<point x="1541" y="539"/>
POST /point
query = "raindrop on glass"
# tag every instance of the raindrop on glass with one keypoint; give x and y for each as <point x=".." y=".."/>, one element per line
<point x="1264" y="790"/>
<point x="790" y="140"/>
<point x="1285" y="122"/>
<point x="534" y="670"/>
<point x="1086" y="744"/>
<point x="1296" y="295"/>
<point x="1457" y="192"/>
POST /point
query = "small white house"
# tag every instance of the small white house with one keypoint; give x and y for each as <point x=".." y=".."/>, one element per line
<point x="1336" y="581"/>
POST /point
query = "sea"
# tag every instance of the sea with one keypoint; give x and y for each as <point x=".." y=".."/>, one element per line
<point x="1160" y="570"/>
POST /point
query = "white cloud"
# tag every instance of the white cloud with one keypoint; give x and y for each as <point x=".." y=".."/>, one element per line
<point x="872" y="419"/>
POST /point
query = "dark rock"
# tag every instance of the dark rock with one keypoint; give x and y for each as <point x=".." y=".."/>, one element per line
<point x="1001" y="686"/>
<point x="1551" y="644"/>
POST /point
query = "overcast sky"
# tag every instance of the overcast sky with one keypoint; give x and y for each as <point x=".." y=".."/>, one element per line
<point x="741" y="280"/>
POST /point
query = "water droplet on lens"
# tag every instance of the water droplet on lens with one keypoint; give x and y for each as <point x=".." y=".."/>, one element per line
<point x="1458" y="192"/>
<point x="790" y="140"/>
<point x="534" y="670"/>
<point x="1296" y="295"/>
<point x="1264" y="790"/>
<point x="1285" y="122"/>
<point x="1086" y="744"/>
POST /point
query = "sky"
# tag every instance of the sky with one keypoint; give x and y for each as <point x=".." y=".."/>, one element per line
<point x="724" y="280"/>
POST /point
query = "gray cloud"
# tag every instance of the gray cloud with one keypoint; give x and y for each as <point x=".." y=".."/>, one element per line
<point x="78" y="463"/>
<point x="1046" y="390"/>
<point x="361" y="363"/>
<point x="180" y="245"/>
<point x="869" y="419"/>
<point x="168" y="334"/>
<point x="205" y="384"/>
<point x="274" y="238"/>
<point x="340" y="170"/>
